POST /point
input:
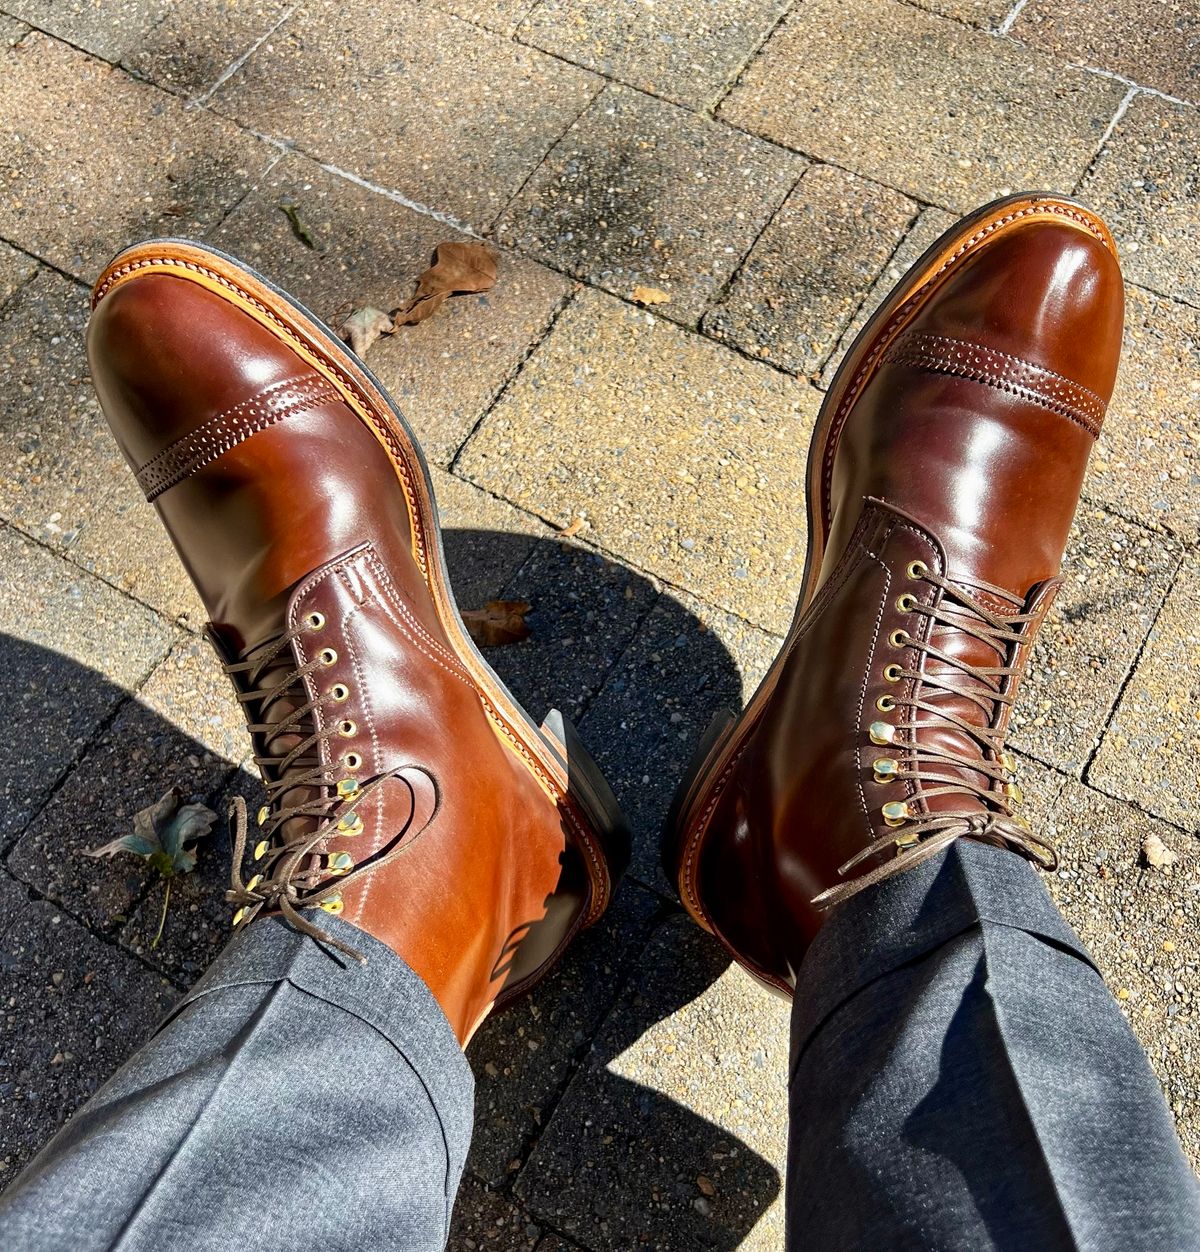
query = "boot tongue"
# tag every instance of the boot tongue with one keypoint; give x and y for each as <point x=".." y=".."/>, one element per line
<point x="941" y="733"/>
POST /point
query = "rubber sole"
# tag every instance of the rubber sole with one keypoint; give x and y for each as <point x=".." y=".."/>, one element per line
<point x="552" y="753"/>
<point x="687" y="826"/>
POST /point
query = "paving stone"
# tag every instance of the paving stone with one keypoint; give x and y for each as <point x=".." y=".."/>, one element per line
<point x="524" y="1057"/>
<point x="184" y="45"/>
<point x="369" y="250"/>
<point x="679" y="50"/>
<point x="986" y="14"/>
<point x="640" y="193"/>
<point x="91" y="160"/>
<point x="11" y="31"/>
<point x="1142" y="926"/>
<point x="1151" y="750"/>
<point x="946" y="113"/>
<point x="357" y="87"/>
<point x="811" y="268"/>
<point x="1146" y="187"/>
<point x="924" y="233"/>
<point x="502" y="16"/>
<point x="198" y="41"/>
<point x="486" y="540"/>
<point x="105" y="29"/>
<point x="1117" y="575"/>
<point x="64" y="481"/>
<point x="15" y="269"/>
<point x="198" y="919"/>
<point x="686" y="1080"/>
<point x="1042" y="787"/>
<point x="183" y="730"/>
<point x="688" y="663"/>
<point x="486" y="1220"/>
<point x="70" y="650"/>
<point x="1156" y="45"/>
<point x="686" y="459"/>
<point x="75" y="1008"/>
<point x="1146" y="464"/>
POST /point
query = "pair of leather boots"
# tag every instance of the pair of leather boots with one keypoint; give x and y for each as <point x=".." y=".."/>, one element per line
<point x="410" y="794"/>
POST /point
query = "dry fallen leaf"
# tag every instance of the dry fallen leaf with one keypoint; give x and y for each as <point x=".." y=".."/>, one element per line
<point x="1157" y="854"/>
<point x="457" y="269"/>
<point x="706" y="1185"/>
<point x="498" y="622"/>
<point x="364" y="326"/>
<point x="570" y="531"/>
<point x="650" y="295"/>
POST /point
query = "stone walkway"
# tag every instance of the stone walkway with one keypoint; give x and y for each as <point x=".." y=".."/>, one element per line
<point x="773" y="168"/>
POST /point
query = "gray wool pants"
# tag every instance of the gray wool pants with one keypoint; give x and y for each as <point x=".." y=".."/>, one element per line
<point x="961" y="1079"/>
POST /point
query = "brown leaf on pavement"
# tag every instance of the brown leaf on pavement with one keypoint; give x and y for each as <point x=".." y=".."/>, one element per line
<point x="650" y="295"/>
<point x="458" y="269"/>
<point x="499" y="622"/>
<point x="364" y="326"/>
<point x="573" y="528"/>
<point x="1157" y="854"/>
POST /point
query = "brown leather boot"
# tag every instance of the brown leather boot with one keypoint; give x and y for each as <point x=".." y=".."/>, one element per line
<point x="408" y="791"/>
<point x="944" y="473"/>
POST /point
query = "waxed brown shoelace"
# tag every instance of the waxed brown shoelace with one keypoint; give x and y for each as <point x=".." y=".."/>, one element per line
<point x="285" y="882"/>
<point x="924" y="763"/>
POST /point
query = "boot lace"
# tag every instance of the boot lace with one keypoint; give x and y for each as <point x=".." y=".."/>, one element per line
<point x="292" y="874"/>
<point x="986" y="811"/>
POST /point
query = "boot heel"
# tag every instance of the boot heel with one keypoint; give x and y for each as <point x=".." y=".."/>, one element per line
<point x="591" y="791"/>
<point x="672" y="831"/>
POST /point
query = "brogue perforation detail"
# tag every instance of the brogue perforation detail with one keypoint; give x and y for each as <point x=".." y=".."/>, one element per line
<point x="202" y="446"/>
<point x="941" y="354"/>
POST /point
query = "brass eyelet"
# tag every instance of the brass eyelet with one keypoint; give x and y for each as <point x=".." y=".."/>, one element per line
<point x="881" y="733"/>
<point x="349" y="825"/>
<point x="237" y="917"/>
<point x="348" y="729"/>
<point x="909" y="840"/>
<point x="893" y="673"/>
<point x="263" y="814"/>
<point x="254" y="882"/>
<point x="315" y="621"/>
<point x="886" y="769"/>
<point x="906" y="603"/>
<point x="1008" y="761"/>
<point x="885" y="704"/>
<point x="333" y="904"/>
<point x="347" y="789"/>
<point x="260" y="849"/>
<point x="327" y="656"/>
<point x="339" y="863"/>
<point x="895" y="813"/>
<point x="340" y="692"/>
<point x="917" y="569"/>
<point x="899" y="638"/>
<point x="352" y="760"/>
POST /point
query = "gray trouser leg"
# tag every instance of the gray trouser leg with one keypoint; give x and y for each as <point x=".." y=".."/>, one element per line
<point x="962" y="1079"/>
<point x="293" y="1100"/>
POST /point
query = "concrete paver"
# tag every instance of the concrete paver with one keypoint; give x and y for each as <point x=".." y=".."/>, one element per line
<point x="718" y="442"/>
<point x="75" y="1007"/>
<point x="71" y="649"/>
<point x="92" y="160"/>
<point x="1144" y="184"/>
<point x="643" y="194"/>
<point x="1146" y="464"/>
<point x="1150" y="750"/>
<point x="338" y="83"/>
<point x="811" y="268"/>
<point x="64" y="481"/>
<point x="924" y="104"/>
<point x="678" y="50"/>
<point x="1156" y="45"/>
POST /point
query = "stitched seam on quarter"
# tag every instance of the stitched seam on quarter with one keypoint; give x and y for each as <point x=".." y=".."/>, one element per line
<point x="224" y="432"/>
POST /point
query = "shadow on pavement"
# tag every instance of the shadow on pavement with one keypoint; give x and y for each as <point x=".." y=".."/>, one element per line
<point x="587" y="617"/>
